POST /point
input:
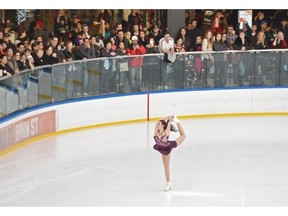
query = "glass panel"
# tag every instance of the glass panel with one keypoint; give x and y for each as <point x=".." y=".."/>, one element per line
<point x="151" y="78"/>
<point x="93" y="86"/>
<point x="59" y="82"/>
<point x="242" y="68"/>
<point x="218" y="74"/>
<point x="273" y="67"/>
<point x="284" y="69"/>
<point x="22" y="89"/>
<point x="135" y="73"/>
<point x="208" y="70"/>
<point x="11" y="97"/>
<point x="77" y="84"/>
<point x="123" y="74"/>
<point x="32" y="87"/>
<point x="264" y="69"/>
<point x="3" y="98"/>
<point x="178" y="69"/>
<point x="45" y="83"/>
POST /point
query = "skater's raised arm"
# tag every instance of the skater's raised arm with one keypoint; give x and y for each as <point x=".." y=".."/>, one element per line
<point x="156" y="128"/>
<point x="167" y="121"/>
<point x="168" y="129"/>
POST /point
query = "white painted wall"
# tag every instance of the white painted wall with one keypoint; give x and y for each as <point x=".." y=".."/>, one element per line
<point x="101" y="111"/>
<point x="104" y="110"/>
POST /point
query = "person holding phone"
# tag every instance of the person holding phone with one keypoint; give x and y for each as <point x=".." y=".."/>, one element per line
<point x="279" y="42"/>
<point x="136" y="64"/>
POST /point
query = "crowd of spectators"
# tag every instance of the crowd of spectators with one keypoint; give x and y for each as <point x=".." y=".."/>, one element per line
<point x="72" y="40"/>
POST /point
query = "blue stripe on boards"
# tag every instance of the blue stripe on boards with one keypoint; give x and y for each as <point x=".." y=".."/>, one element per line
<point x="75" y="100"/>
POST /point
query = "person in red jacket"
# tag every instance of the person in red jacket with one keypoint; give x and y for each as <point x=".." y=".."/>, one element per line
<point x="135" y="72"/>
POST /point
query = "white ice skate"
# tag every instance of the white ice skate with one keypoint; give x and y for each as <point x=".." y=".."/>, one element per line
<point x="168" y="186"/>
<point x="175" y="119"/>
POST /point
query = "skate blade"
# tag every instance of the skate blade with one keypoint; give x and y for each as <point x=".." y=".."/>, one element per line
<point x="167" y="189"/>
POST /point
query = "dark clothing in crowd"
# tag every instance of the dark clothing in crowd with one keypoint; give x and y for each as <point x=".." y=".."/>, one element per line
<point x="5" y="69"/>
<point x="192" y="35"/>
<point x="49" y="59"/>
<point x="85" y="52"/>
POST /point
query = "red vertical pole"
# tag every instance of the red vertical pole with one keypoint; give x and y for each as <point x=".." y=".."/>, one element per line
<point x="148" y="105"/>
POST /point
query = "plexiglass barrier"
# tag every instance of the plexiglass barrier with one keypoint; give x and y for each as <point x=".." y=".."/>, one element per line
<point x="125" y="74"/>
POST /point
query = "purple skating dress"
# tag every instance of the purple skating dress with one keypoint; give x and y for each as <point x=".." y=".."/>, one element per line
<point x="163" y="145"/>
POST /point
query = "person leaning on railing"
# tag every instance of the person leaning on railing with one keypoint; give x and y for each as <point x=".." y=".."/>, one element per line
<point x="179" y="64"/>
<point x="166" y="46"/>
<point x="261" y="59"/>
<point x="135" y="64"/>
<point x="242" y="43"/>
<point x="219" y="59"/>
<point x="152" y="65"/>
<point x="208" y="59"/>
<point x="122" y="65"/>
<point x="106" y="66"/>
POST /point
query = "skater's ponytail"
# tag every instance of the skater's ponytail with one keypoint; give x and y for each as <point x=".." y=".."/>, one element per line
<point x="172" y="127"/>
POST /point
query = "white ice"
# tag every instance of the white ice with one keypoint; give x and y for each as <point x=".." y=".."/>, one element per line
<point x="223" y="162"/>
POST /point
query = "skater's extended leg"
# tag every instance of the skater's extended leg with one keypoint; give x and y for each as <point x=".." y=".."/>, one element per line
<point x="182" y="136"/>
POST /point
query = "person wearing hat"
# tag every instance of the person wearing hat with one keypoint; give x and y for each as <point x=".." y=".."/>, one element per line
<point x="268" y="33"/>
<point x="136" y="64"/>
<point x="39" y="30"/>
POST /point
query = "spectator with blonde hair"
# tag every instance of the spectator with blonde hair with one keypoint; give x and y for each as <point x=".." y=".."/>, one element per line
<point x="207" y="45"/>
<point x="260" y="61"/>
<point x="279" y="42"/>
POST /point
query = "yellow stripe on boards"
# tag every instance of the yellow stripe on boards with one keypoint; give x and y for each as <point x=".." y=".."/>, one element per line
<point x="220" y="115"/>
<point x="68" y="131"/>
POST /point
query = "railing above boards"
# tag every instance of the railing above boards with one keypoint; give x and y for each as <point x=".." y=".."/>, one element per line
<point x="124" y="74"/>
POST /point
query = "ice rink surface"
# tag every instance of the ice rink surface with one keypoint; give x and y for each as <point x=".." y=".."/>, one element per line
<point x="240" y="161"/>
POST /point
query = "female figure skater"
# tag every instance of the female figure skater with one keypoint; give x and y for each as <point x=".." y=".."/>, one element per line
<point x="163" y="145"/>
